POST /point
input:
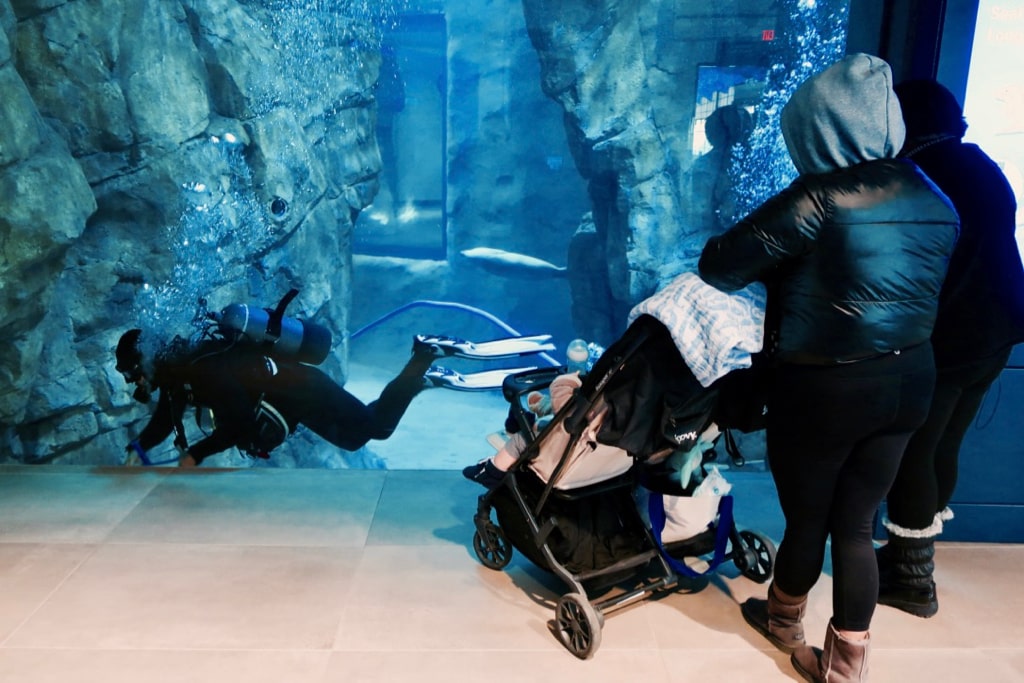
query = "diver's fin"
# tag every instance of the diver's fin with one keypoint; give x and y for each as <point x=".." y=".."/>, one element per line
<point x="509" y="347"/>
<point x="472" y="381"/>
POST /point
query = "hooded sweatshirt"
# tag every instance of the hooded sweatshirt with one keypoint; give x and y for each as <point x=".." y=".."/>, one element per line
<point x="843" y="116"/>
<point x="855" y="250"/>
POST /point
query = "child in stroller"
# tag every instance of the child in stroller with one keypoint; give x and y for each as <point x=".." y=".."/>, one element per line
<point x="490" y="471"/>
<point x="567" y="499"/>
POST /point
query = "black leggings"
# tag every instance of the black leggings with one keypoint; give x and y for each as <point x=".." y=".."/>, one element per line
<point x="305" y="395"/>
<point x="835" y="438"/>
<point x="928" y="473"/>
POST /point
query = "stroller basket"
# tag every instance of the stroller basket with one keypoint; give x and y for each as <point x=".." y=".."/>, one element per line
<point x="568" y="504"/>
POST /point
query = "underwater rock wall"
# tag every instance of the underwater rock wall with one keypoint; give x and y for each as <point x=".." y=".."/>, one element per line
<point x="625" y="74"/>
<point x="151" y="153"/>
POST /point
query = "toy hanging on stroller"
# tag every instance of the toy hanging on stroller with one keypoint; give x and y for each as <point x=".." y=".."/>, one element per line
<point x="568" y="502"/>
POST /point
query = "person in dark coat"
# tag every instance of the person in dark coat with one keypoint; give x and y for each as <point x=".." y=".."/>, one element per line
<point x="853" y="254"/>
<point x="980" y="318"/>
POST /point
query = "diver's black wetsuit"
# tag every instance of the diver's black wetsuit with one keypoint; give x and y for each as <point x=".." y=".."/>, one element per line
<point x="233" y="381"/>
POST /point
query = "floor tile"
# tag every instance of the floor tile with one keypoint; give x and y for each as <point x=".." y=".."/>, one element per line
<point x="971" y="582"/>
<point x="257" y="507"/>
<point x="728" y="665"/>
<point x="197" y="597"/>
<point x="430" y="597"/>
<point x="708" y="618"/>
<point x="30" y="573"/>
<point x="1011" y="661"/>
<point x="940" y="664"/>
<point x="68" y="505"/>
<point x="494" y="665"/>
<point x="425" y="507"/>
<point x="57" y="665"/>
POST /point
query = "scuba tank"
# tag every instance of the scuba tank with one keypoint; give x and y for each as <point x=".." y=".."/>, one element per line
<point x="299" y="340"/>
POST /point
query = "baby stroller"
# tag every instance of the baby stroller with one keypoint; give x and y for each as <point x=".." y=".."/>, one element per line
<point x="568" y="503"/>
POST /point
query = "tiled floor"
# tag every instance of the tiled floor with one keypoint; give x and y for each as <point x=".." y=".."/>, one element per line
<point x="320" y="576"/>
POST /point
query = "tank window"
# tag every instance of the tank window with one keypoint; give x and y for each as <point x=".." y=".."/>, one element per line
<point x="407" y="217"/>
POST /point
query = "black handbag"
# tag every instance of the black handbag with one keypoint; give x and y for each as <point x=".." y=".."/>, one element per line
<point x="743" y="396"/>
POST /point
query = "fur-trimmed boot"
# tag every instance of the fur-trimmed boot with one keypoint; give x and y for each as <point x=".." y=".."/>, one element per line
<point x="780" y="622"/>
<point x="906" y="567"/>
<point x="842" y="660"/>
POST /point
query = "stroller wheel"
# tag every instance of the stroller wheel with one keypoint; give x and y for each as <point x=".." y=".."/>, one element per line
<point x="757" y="559"/>
<point x="492" y="547"/>
<point x="578" y="625"/>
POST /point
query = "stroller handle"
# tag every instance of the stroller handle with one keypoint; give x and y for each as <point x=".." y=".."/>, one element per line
<point x="517" y="384"/>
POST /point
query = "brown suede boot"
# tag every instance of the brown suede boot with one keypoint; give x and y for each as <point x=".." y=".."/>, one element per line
<point x="841" y="661"/>
<point x="780" y="622"/>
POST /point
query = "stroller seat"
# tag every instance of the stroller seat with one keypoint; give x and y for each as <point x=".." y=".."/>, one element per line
<point x="556" y="458"/>
<point x="588" y="462"/>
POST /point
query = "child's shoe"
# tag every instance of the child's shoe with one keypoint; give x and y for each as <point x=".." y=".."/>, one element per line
<point x="484" y="473"/>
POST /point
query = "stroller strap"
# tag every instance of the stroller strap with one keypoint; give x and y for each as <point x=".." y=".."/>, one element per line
<point x="656" y="510"/>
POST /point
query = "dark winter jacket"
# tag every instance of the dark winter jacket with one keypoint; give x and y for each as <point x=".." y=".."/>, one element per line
<point x="981" y="308"/>
<point x="855" y="250"/>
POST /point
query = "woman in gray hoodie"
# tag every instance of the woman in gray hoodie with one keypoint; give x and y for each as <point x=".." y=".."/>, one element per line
<point x="854" y="253"/>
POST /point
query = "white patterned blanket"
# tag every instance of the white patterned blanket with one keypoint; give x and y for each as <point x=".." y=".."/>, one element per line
<point x="715" y="331"/>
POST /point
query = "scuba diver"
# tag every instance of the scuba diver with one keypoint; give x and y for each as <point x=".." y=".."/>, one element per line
<point x="256" y="400"/>
<point x="254" y="371"/>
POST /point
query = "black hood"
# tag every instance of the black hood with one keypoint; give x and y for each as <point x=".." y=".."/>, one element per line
<point x="930" y="110"/>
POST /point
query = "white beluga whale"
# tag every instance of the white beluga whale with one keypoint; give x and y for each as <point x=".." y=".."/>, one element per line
<point x="512" y="264"/>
